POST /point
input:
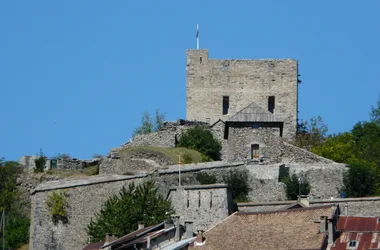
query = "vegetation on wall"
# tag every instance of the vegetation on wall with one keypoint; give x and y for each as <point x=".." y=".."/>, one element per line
<point x="205" y="178"/>
<point x="238" y="182"/>
<point x="202" y="140"/>
<point x="148" y="124"/>
<point x="40" y="162"/>
<point x="296" y="185"/>
<point x="121" y="213"/>
<point x="57" y="205"/>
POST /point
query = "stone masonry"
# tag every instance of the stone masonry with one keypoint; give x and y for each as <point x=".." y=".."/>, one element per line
<point x="243" y="82"/>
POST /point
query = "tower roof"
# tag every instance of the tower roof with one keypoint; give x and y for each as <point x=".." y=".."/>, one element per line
<point x="253" y="113"/>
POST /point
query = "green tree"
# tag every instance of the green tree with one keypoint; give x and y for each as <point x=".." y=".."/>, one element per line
<point x="359" y="180"/>
<point x="339" y="148"/>
<point x="311" y="133"/>
<point x="367" y="139"/>
<point x="375" y="113"/>
<point x="148" y="124"/>
<point x="121" y="213"/>
<point x="202" y="140"/>
<point x="238" y="182"/>
<point x="296" y="185"/>
<point x="17" y="222"/>
<point x="40" y="162"/>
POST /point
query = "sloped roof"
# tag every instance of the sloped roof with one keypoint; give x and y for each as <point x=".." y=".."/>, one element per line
<point x="364" y="241"/>
<point x="253" y="113"/>
<point x="364" y="230"/>
<point x="358" y="224"/>
<point x="286" y="229"/>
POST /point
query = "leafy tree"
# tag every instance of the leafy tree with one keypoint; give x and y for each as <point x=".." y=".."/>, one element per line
<point x="339" y="148"/>
<point x="359" y="181"/>
<point x="121" y="213"/>
<point x="17" y="223"/>
<point x="238" y="181"/>
<point x="375" y="113"/>
<point x="296" y="185"/>
<point x="16" y="230"/>
<point x="311" y="133"/>
<point x="148" y="124"/>
<point x="202" y="140"/>
<point x="367" y="140"/>
<point x="9" y="173"/>
<point x="40" y="163"/>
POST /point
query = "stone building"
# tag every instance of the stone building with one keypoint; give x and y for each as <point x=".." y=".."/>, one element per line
<point x="218" y="89"/>
<point x="204" y="205"/>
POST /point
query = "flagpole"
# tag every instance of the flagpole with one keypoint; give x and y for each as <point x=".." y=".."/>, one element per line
<point x="197" y="36"/>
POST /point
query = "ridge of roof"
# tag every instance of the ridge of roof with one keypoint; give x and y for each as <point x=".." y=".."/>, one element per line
<point x="253" y="113"/>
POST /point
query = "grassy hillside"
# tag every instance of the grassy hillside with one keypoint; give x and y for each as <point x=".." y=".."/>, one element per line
<point x="171" y="155"/>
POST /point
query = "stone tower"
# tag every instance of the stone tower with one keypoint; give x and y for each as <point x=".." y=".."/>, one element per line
<point x="218" y="89"/>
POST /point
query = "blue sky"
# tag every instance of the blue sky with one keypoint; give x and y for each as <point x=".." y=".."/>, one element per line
<point x="76" y="76"/>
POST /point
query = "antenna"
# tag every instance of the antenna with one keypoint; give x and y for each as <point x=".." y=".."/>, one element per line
<point x="197" y="36"/>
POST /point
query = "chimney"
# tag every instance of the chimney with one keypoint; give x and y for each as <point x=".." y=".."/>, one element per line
<point x="140" y="226"/>
<point x="323" y="224"/>
<point x="199" y="240"/>
<point x="168" y="224"/>
<point x="304" y="200"/>
<point x="177" y="235"/>
<point x="189" y="229"/>
<point x="108" y="238"/>
<point x="331" y="236"/>
<point x="346" y="209"/>
<point x="148" y="242"/>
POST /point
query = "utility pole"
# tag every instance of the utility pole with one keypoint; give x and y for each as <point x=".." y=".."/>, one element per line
<point x="179" y="170"/>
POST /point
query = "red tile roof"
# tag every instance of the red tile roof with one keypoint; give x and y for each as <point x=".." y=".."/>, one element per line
<point x="286" y="229"/>
<point x="358" y="224"/>
<point x="364" y="241"/>
<point x="365" y="231"/>
<point x="94" y="246"/>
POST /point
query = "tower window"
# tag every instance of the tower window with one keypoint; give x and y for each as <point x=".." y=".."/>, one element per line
<point x="200" y="60"/>
<point x="226" y="104"/>
<point x="271" y="104"/>
<point x="255" y="151"/>
<point x="188" y="202"/>
<point x="199" y="198"/>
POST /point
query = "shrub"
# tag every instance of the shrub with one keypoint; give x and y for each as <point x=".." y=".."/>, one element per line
<point x="296" y="185"/>
<point x="205" y="178"/>
<point x="40" y="162"/>
<point x="359" y="180"/>
<point x="238" y="181"/>
<point x="57" y="205"/>
<point x="202" y="140"/>
<point x="121" y="213"/>
<point x="187" y="158"/>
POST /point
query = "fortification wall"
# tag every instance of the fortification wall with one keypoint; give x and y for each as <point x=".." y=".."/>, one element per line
<point x="244" y="82"/>
<point x="85" y="196"/>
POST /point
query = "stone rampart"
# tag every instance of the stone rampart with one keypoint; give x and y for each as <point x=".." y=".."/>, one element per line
<point x="86" y="196"/>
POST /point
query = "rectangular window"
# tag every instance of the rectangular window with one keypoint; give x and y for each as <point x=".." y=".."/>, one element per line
<point x="255" y="151"/>
<point x="271" y="104"/>
<point x="199" y="198"/>
<point x="226" y="104"/>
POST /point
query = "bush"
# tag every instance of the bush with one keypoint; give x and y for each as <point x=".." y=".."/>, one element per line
<point x="16" y="231"/>
<point x="121" y="213"/>
<point x="359" y="180"/>
<point x="57" y="205"/>
<point x="296" y="185"/>
<point x="187" y="158"/>
<point x="40" y="163"/>
<point x="202" y="140"/>
<point x="238" y="181"/>
<point x="205" y="178"/>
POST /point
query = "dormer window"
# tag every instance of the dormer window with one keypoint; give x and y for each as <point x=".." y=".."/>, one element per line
<point x="353" y="244"/>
